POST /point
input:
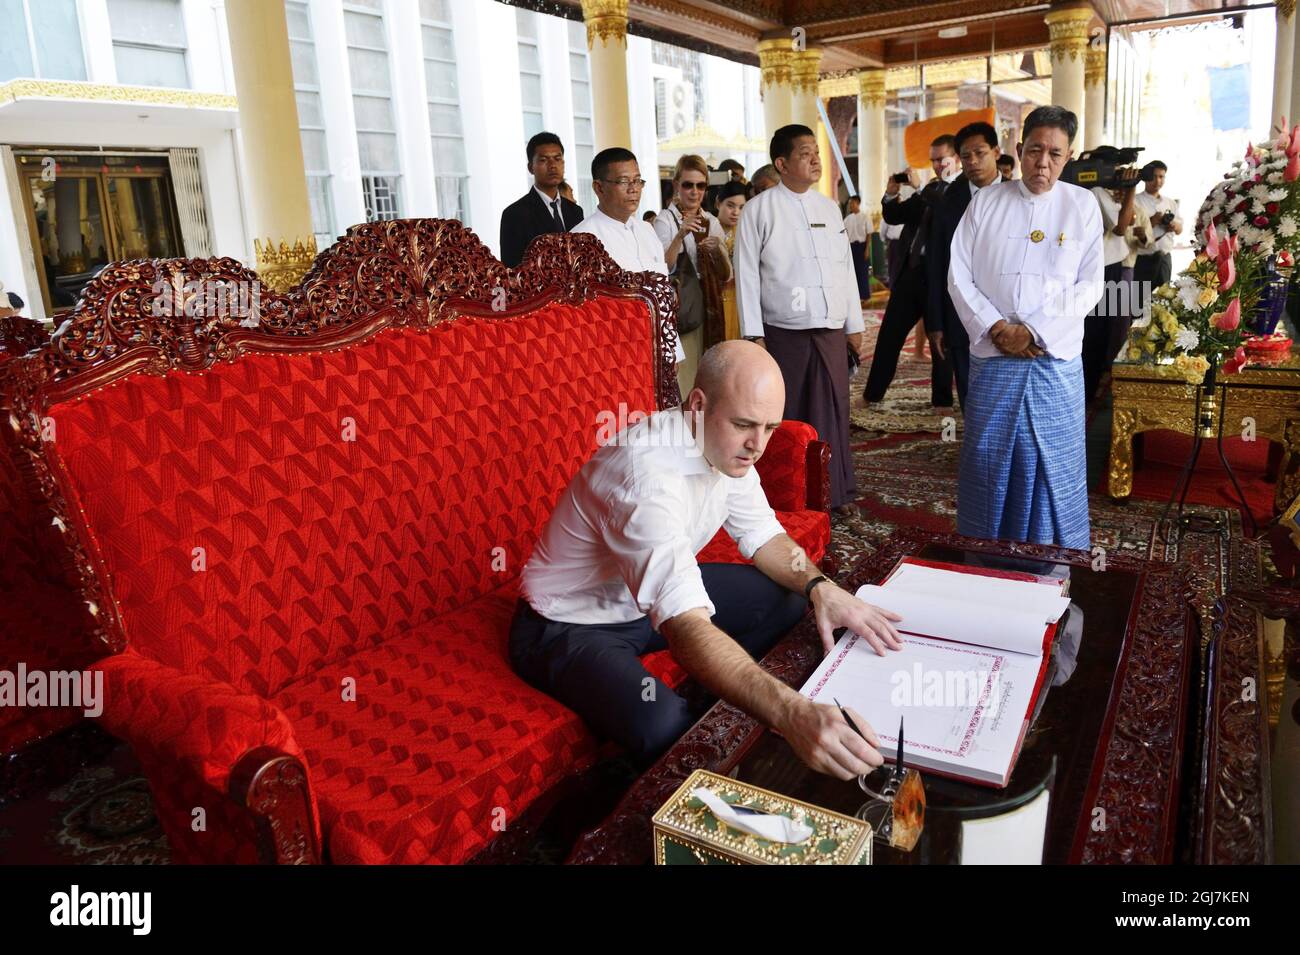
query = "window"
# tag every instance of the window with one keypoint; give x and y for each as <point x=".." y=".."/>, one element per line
<point x="372" y="105"/>
<point x="584" y="131"/>
<point x="149" y="42"/>
<point x="530" y="72"/>
<point x="311" y="120"/>
<point x="40" y="38"/>
<point x="447" y="136"/>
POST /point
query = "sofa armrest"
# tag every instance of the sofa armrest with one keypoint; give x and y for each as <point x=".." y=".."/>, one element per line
<point x="795" y="469"/>
<point x="203" y="736"/>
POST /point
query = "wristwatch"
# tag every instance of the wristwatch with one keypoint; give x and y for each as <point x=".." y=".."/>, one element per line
<point x="808" y="587"/>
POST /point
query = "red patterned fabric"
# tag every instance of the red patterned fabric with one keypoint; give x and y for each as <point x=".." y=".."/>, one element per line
<point x="441" y="741"/>
<point x="783" y="467"/>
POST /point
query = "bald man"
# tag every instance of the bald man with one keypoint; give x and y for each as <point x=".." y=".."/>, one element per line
<point x="614" y="577"/>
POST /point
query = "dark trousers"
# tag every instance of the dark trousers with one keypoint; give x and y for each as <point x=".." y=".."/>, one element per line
<point x="1106" y="328"/>
<point x="1150" y="272"/>
<point x="906" y="306"/>
<point x="957" y="353"/>
<point x="594" y="668"/>
<point x="861" y="268"/>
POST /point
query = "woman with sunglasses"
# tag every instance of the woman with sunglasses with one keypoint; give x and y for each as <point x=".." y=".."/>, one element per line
<point x="697" y="261"/>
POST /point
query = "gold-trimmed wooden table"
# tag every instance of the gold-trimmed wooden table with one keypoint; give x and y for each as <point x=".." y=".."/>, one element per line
<point x="1148" y="398"/>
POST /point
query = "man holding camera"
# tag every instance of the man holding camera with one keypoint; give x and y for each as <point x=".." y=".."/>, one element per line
<point x="1154" y="266"/>
<point x="907" y="299"/>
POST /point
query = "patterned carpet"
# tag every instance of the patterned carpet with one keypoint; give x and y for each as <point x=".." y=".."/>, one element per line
<point x="906" y="473"/>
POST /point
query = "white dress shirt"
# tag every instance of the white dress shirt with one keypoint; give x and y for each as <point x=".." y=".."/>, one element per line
<point x="999" y="272"/>
<point x="856" y="226"/>
<point x="632" y="245"/>
<point x="622" y="541"/>
<point x="794" y="267"/>
<point x="669" y="222"/>
<point x="1155" y="207"/>
<point x="552" y="205"/>
<point x="1116" y="247"/>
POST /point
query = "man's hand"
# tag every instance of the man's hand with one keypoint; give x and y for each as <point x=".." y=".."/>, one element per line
<point x="834" y="607"/>
<point x="1140" y="234"/>
<point x="855" y="342"/>
<point x="821" y="738"/>
<point x="1014" y="340"/>
<point x="936" y="344"/>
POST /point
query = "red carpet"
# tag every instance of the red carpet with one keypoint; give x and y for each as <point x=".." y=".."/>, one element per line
<point x="1166" y="452"/>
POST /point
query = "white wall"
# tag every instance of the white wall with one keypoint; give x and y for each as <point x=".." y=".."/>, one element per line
<point x="641" y="115"/>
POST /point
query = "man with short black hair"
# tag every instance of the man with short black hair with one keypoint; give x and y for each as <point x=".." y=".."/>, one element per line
<point x="1006" y="166"/>
<point x="977" y="148"/>
<point x="797" y="293"/>
<point x="1154" y="265"/>
<point x="543" y="209"/>
<point x="1026" y="268"/>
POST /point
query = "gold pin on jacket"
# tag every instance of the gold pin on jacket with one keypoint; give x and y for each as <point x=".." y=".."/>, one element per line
<point x="1036" y="235"/>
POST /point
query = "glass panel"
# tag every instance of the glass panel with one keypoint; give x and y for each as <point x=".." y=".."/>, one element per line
<point x="322" y="209"/>
<point x="58" y="39"/>
<point x="440" y="79"/>
<point x="382" y="197"/>
<point x="438" y="44"/>
<point x="448" y="155"/>
<point x="142" y="219"/>
<point x="435" y="10"/>
<point x="578" y="66"/>
<point x="298" y="20"/>
<point x="530" y="60"/>
<point x="147" y="21"/>
<point x="444" y="119"/>
<point x="582" y="97"/>
<point x="372" y="4"/>
<point x="377" y="151"/>
<point x="309" y="108"/>
<point x="532" y="124"/>
<point x="373" y="113"/>
<point x="582" y="130"/>
<point x="526" y="23"/>
<point x="15" y="54"/>
<point x="364" y="29"/>
<point x="314" y="154"/>
<point x="577" y="35"/>
<point x="530" y="87"/>
<point x="139" y="66"/>
<point x="369" y="71"/>
<point x="302" y="55"/>
<point x="71" y="234"/>
<point x="453" y="197"/>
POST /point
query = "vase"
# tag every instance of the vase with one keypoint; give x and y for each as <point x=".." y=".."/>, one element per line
<point x="1272" y="300"/>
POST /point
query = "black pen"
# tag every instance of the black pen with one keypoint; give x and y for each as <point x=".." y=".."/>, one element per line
<point x="848" y="719"/>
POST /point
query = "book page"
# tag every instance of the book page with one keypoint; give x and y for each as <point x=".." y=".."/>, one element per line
<point x="995" y="592"/>
<point x="1007" y="627"/>
<point x="964" y="706"/>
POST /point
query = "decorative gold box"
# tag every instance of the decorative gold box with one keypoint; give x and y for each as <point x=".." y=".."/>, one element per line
<point x="686" y="832"/>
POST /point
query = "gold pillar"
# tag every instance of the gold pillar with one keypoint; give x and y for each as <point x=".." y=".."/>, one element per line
<point x="945" y="102"/>
<point x="607" y="43"/>
<point x="871" y="140"/>
<point x="1094" y="86"/>
<point x="272" y="149"/>
<point x="774" y="64"/>
<point x="805" y="65"/>
<point x="1068" y="28"/>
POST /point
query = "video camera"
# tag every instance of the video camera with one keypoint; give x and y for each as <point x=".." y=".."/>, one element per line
<point x="1101" y="166"/>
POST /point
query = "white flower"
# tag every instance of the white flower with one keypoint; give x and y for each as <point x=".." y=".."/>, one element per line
<point x="1235" y="220"/>
<point x="1286" y="227"/>
<point x="1266" y="242"/>
<point x="1187" y="339"/>
<point x="1188" y="294"/>
<point x="1274" y="177"/>
<point x="1276" y="195"/>
<point x="1248" y="234"/>
<point x="1259" y="193"/>
<point x="1256" y="207"/>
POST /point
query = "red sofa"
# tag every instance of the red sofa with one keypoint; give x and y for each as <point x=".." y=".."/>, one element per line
<point x="302" y="538"/>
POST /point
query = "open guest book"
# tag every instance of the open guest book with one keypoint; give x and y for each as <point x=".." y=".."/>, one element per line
<point x="976" y="644"/>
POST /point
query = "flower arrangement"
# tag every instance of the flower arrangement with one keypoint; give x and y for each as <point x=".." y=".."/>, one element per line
<point x="1258" y="200"/>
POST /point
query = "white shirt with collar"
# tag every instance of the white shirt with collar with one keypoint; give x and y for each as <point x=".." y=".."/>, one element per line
<point x="856" y="226"/>
<point x="1116" y="246"/>
<point x="632" y="245"/>
<point x="999" y="272"/>
<point x="551" y="203"/>
<point x="794" y="267"/>
<point x="1155" y="207"/>
<point x="621" y="542"/>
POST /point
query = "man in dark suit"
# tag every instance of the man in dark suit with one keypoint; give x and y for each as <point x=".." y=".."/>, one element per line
<point x="907" y="293"/>
<point x="543" y="209"/>
<point x="977" y="147"/>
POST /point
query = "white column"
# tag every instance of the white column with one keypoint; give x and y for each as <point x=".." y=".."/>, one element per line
<point x="774" y="86"/>
<point x="411" y="108"/>
<point x="340" y="124"/>
<point x="1068" y="27"/>
<point x="871" y="140"/>
<point x="1283" y="64"/>
<point x="203" y="39"/>
<point x="1094" y="86"/>
<point x="607" y="43"/>
<point x="805" y="69"/>
<point x="97" y="42"/>
<point x="557" y="92"/>
<point x="641" y="115"/>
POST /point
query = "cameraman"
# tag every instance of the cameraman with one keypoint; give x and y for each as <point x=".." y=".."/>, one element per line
<point x="1154" y="266"/>
<point x="1106" y="328"/>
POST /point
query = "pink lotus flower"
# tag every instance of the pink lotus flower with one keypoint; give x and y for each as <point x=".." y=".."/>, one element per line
<point x="1292" y="171"/>
<point x="1294" y="146"/>
<point x="1211" y="241"/>
<point x="1227" y="268"/>
<point x="1284" y="259"/>
<point x="1236" y="362"/>
<point x="1229" y="318"/>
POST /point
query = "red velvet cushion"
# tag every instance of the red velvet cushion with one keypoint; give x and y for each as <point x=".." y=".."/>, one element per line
<point x="316" y="546"/>
<point x="442" y="739"/>
<point x="783" y="468"/>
